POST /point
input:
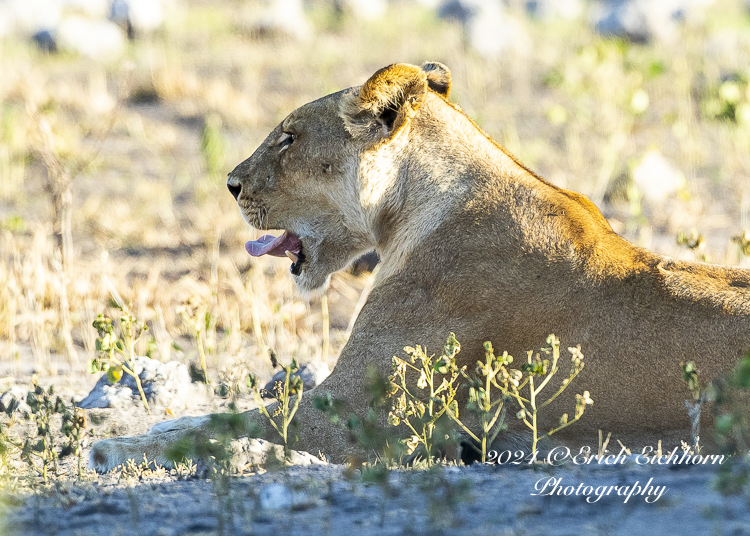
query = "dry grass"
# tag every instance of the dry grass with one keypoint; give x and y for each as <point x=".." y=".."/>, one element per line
<point x="155" y="226"/>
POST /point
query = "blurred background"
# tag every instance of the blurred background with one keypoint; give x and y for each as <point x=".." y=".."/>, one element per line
<point x="119" y="120"/>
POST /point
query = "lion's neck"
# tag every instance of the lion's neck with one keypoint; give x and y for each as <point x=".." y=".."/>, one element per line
<point x="446" y="169"/>
<point x="414" y="190"/>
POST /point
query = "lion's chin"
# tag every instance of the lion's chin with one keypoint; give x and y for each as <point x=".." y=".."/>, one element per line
<point x="310" y="282"/>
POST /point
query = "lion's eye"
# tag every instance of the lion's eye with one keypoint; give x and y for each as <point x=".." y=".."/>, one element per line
<point x="285" y="141"/>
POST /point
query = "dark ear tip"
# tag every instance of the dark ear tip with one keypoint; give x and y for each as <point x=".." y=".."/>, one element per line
<point x="438" y="77"/>
<point x="429" y="66"/>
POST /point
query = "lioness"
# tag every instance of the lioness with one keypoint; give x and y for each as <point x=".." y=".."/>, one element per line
<point x="471" y="242"/>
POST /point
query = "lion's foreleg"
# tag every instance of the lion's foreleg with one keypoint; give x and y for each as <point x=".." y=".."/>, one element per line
<point x="170" y="441"/>
<point x="166" y="442"/>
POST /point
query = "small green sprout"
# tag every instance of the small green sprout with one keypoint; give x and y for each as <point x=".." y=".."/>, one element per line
<point x="116" y="354"/>
<point x="287" y="394"/>
<point x="43" y="408"/>
<point x="690" y="376"/>
<point x="743" y="241"/>
<point x="74" y="430"/>
<point x="731" y="396"/>
<point x="381" y="444"/>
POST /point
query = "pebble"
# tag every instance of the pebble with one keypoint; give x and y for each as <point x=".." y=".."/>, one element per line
<point x="275" y="497"/>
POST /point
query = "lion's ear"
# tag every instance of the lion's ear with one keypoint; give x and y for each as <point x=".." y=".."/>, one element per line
<point x="385" y="103"/>
<point x="438" y="77"/>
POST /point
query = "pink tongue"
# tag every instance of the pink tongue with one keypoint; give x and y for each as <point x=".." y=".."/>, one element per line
<point x="273" y="245"/>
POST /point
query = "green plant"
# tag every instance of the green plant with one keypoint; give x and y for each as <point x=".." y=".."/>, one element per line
<point x="74" y="430"/>
<point x="490" y="413"/>
<point x="8" y="445"/>
<point x="43" y="447"/>
<point x="287" y="394"/>
<point x="690" y="377"/>
<point x="138" y="471"/>
<point x="43" y="408"/>
<point x="729" y="100"/>
<point x="380" y="443"/>
<point x="420" y="410"/>
<point x="743" y="241"/>
<point x="7" y="449"/>
<point x="116" y="354"/>
<point x="542" y="371"/>
<point x="732" y="402"/>
<point x="695" y="242"/>
<point x="184" y="469"/>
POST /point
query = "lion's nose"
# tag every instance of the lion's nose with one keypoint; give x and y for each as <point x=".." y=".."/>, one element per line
<point x="234" y="186"/>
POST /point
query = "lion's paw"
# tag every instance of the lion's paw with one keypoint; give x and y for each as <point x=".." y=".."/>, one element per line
<point x="109" y="453"/>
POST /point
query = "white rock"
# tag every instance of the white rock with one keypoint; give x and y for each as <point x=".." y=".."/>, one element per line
<point x="494" y="32"/>
<point x="642" y="20"/>
<point x="657" y="178"/>
<point x="164" y="384"/>
<point x="312" y="375"/>
<point x="282" y="16"/>
<point x="15" y="397"/>
<point x="275" y="497"/>
<point x="144" y="16"/>
<point x="95" y="39"/>
<point x="367" y="9"/>
<point x="30" y="16"/>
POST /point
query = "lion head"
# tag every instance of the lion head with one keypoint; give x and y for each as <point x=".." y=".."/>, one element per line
<point x="327" y="176"/>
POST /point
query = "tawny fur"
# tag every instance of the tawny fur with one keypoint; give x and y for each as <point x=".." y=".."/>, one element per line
<point x="473" y="242"/>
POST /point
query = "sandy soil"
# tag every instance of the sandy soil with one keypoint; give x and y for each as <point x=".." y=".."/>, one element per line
<point x="480" y="500"/>
<point x="327" y="499"/>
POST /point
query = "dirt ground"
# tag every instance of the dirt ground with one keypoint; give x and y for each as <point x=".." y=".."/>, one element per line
<point x="149" y="140"/>
<point x="627" y="498"/>
<point x="481" y="500"/>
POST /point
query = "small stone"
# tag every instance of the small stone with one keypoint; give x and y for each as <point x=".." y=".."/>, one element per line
<point x="312" y="375"/>
<point x="164" y="384"/>
<point x="275" y="497"/>
<point x="15" y="398"/>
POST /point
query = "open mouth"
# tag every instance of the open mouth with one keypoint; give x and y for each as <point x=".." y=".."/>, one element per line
<point x="288" y="244"/>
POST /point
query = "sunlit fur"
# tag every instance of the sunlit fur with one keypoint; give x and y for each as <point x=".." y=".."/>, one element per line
<point x="473" y="242"/>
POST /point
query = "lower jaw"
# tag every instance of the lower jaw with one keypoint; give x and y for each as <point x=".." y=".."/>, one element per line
<point x="307" y="282"/>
